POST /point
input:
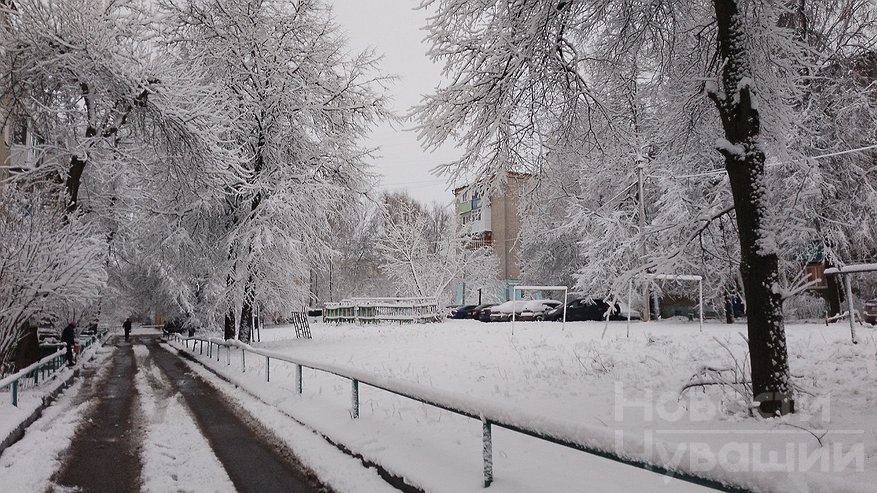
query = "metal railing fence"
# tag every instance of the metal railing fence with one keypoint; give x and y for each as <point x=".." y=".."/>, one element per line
<point x="378" y="310"/>
<point x="586" y="439"/>
<point x="42" y="369"/>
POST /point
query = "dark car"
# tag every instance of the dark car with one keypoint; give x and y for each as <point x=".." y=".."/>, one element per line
<point x="476" y="312"/>
<point x="484" y="315"/>
<point x="451" y="309"/>
<point x="461" y="311"/>
<point x="587" y="309"/>
<point x="870" y="312"/>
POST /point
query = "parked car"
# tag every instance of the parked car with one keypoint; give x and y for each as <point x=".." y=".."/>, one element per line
<point x="461" y="311"/>
<point x="476" y="312"/>
<point x="870" y="312"/>
<point x="535" y="309"/>
<point x="503" y="311"/>
<point x="485" y="313"/>
<point x="591" y="309"/>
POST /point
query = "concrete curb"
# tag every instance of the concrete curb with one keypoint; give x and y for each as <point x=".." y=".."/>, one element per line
<point x="18" y="432"/>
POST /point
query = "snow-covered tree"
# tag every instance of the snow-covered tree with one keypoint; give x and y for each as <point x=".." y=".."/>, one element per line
<point x="301" y="105"/>
<point x="102" y="97"/>
<point x="709" y="100"/>
<point x="423" y="253"/>
<point x="353" y="268"/>
<point x="47" y="262"/>
<point x="119" y="122"/>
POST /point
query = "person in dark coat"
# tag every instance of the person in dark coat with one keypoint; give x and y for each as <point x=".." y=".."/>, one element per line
<point x="127" y="327"/>
<point x="68" y="337"/>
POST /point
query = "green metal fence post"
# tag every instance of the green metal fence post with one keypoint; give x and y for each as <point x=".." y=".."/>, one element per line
<point x="487" y="452"/>
<point x="298" y="379"/>
<point x="354" y="413"/>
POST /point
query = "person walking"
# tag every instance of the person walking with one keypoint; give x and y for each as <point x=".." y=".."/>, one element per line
<point x="127" y="326"/>
<point x="68" y="337"/>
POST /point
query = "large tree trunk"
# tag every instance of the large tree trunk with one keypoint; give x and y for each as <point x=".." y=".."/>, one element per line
<point x="229" y="329"/>
<point x="245" y="326"/>
<point x="744" y="161"/>
<point x="729" y="308"/>
<point x="123" y="108"/>
<point x="74" y="175"/>
<point x="27" y="349"/>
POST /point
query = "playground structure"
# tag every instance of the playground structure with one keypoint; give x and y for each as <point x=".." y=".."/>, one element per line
<point x="378" y="310"/>
<point x="845" y="272"/>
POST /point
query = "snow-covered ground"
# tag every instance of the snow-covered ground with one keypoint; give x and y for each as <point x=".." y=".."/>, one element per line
<point x="630" y="386"/>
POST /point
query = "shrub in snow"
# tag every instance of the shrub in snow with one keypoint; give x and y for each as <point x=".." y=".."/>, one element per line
<point x="46" y="261"/>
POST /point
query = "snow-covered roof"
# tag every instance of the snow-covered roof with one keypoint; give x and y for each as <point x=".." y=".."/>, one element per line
<point x="543" y="288"/>
<point x="849" y="269"/>
<point x="674" y="277"/>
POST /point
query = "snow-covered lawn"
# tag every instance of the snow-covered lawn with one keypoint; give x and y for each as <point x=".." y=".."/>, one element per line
<point x="628" y="385"/>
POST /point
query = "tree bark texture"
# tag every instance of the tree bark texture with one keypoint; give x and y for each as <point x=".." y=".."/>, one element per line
<point x="121" y="112"/>
<point x="744" y="161"/>
<point x="229" y="324"/>
<point x="245" y="327"/>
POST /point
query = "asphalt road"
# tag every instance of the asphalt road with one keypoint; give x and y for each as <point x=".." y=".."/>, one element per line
<point x="104" y="457"/>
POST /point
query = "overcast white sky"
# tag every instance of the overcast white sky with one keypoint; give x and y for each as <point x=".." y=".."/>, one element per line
<point x="393" y="29"/>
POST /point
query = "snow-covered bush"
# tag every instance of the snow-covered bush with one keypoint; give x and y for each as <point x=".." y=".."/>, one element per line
<point x="805" y="306"/>
<point x="47" y="261"/>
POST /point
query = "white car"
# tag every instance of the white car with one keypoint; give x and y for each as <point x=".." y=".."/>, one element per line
<point x="503" y="311"/>
<point x="535" y="309"/>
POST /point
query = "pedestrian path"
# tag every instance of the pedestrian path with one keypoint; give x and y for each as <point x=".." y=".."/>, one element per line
<point x="105" y="454"/>
<point x="107" y="435"/>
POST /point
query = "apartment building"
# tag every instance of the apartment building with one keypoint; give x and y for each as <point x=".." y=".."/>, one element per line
<point x="17" y="145"/>
<point x="494" y="221"/>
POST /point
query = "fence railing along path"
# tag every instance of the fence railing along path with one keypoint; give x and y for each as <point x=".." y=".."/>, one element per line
<point x="42" y="369"/>
<point x="601" y="442"/>
<point x="377" y="310"/>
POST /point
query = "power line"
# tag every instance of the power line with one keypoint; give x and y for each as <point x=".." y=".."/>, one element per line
<point x="820" y="156"/>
